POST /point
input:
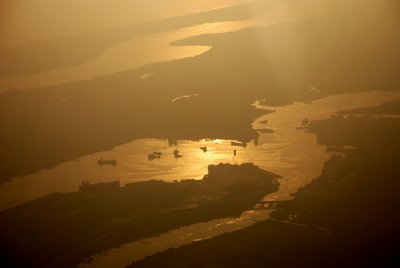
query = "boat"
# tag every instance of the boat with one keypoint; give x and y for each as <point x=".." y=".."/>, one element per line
<point x="204" y="149"/>
<point x="102" y="162"/>
<point x="177" y="154"/>
<point x="240" y="144"/>
<point x="154" y="155"/>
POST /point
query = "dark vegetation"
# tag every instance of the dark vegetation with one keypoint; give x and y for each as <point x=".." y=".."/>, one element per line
<point x="63" y="229"/>
<point x="347" y="217"/>
<point x="388" y="108"/>
<point x="46" y="126"/>
<point x="365" y="133"/>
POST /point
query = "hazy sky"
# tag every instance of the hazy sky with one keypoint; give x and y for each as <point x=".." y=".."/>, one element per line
<point x="27" y="20"/>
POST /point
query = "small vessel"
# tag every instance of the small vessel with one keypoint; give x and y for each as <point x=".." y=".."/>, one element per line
<point x="204" y="149"/>
<point x="177" y="154"/>
<point x="154" y="155"/>
<point x="240" y="144"/>
<point x="102" y="162"/>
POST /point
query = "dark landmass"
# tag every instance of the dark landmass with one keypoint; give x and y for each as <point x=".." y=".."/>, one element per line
<point x="364" y="132"/>
<point x="347" y="217"/>
<point x="43" y="127"/>
<point x="63" y="229"/>
<point x="386" y="108"/>
<point x="74" y="50"/>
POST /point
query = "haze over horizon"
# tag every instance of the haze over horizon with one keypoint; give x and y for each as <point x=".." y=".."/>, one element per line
<point x="26" y="21"/>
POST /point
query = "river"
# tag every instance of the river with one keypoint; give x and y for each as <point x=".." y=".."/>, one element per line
<point x="289" y="151"/>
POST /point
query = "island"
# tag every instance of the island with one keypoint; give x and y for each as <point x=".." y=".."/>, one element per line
<point x="64" y="229"/>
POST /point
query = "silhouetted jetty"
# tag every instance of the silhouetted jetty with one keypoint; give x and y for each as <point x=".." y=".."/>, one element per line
<point x="102" y="162"/>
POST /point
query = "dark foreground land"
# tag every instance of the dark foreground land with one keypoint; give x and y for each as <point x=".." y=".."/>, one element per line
<point x="347" y="217"/>
<point x="343" y="51"/>
<point x="63" y="229"/>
